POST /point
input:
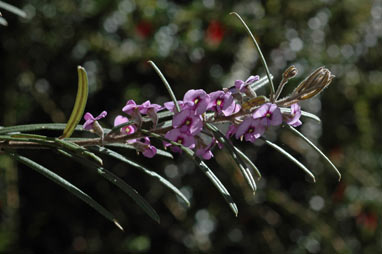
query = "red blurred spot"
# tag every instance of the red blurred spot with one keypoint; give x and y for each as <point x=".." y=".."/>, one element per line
<point x="215" y="32"/>
<point x="143" y="29"/>
<point x="368" y="221"/>
<point x="338" y="195"/>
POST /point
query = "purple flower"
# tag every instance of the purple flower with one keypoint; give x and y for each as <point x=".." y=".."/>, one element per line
<point x="293" y="119"/>
<point x="89" y="118"/>
<point x="171" y="106"/>
<point x="270" y="113"/>
<point x="144" y="146"/>
<point x="205" y="151"/>
<point x="251" y="129"/>
<point x="231" y="131"/>
<point x="241" y="86"/>
<point x="145" y="107"/>
<point x="130" y="129"/>
<point x="222" y="102"/>
<point x="182" y="138"/>
<point x="188" y="122"/>
<point x="199" y="100"/>
<point x="151" y="111"/>
<point x="132" y="109"/>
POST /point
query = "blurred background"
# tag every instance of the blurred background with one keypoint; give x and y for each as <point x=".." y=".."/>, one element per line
<point x="196" y="44"/>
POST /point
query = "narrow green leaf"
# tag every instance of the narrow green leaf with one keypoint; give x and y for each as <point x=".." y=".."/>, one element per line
<point x="205" y="169"/>
<point x="3" y="21"/>
<point x="151" y="173"/>
<point x="248" y="161"/>
<point x="79" y="150"/>
<point x="303" y="113"/>
<point x="296" y="132"/>
<point x="242" y="166"/>
<point x="13" y="9"/>
<point x="79" y="105"/>
<point x="141" y="202"/>
<point x="37" y="127"/>
<point x="259" y="52"/>
<point x="127" y="146"/>
<point x="167" y="85"/>
<point x="67" y="185"/>
<point x="260" y="83"/>
<point x="217" y="183"/>
<point x="290" y="157"/>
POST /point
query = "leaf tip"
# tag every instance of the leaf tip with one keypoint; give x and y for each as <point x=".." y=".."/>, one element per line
<point x="118" y="225"/>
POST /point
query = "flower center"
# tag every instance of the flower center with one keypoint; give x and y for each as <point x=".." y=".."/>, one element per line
<point x="179" y="140"/>
<point x="251" y="130"/>
<point x="188" y="122"/>
<point x="219" y="102"/>
<point x="129" y="129"/>
<point x="196" y="101"/>
<point x="268" y="115"/>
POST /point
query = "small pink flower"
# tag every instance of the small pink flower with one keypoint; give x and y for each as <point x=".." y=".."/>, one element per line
<point x="132" y="109"/>
<point x="241" y="85"/>
<point x="270" y="113"/>
<point x="170" y="106"/>
<point x="205" y="151"/>
<point x="182" y="138"/>
<point x="144" y="146"/>
<point x="231" y="131"/>
<point x="130" y="129"/>
<point x="188" y="122"/>
<point x="145" y="107"/>
<point x="199" y="100"/>
<point x="251" y="129"/>
<point x="293" y="119"/>
<point x="222" y="102"/>
<point x="90" y="119"/>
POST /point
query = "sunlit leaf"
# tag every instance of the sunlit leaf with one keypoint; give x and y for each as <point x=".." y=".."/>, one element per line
<point x="166" y="84"/>
<point x="3" y="21"/>
<point x="141" y="202"/>
<point x="205" y="169"/>
<point x="80" y="103"/>
<point x="315" y="148"/>
<point x="13" y="9"/>
<point x="67" y="185"/>
<point x="151" y="173"/>
<point x="291" y="158"/>
<point x="242" y="166"/>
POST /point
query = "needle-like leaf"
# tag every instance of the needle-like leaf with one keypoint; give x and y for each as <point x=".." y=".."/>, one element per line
<point x="290" y="157"/>
<point x="117" y="182"/>
<point x="296" y="132"/>
<point x="151" y="173"/>
<point x="67" y="185"/>
<point x="80" y="103"/>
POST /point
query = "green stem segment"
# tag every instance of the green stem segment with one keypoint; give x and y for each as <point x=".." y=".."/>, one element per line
<point x="260" y="54"/>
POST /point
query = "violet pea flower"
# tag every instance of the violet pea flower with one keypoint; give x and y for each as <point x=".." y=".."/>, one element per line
<point x="251" y="129"/>
<point x="188" y="122"/>
<point x="269" y="113"/>
<point x="182" y="138"/>
<point x="199" y="99"/>
<point x="90" y="119"/>
<point x="241" y="85"/>
<point x="293" y="119"/>
<point x="130" y="129"/>
<point x="205" y="151"/>
<point x="144" y="146"/>
<point x="170" y="105"/>
<point x="222" y="102"/>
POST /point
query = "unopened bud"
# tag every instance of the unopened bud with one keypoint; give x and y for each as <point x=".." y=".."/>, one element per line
<point x="289" y="73"/>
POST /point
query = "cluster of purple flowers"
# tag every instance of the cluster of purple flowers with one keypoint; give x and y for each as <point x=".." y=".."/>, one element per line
<point x="188" y="123"/>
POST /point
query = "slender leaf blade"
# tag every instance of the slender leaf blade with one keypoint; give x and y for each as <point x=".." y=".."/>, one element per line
<point x="303" y="113"/>
<point x="166" y="84"/>
<point x="80" y="103"/>
<point x="290" y="157"/>
<point x="13" y="9"/>
<point x="3" y="21"/>
<point x="242" y="166"/>
<point x="205" y="169"/>
<point x="67" y="185"/>
<point x="151" y="173"/>
<point x="121" y="184"/>
<point x="248" y="161"/>
<point x="296" y="132"/>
